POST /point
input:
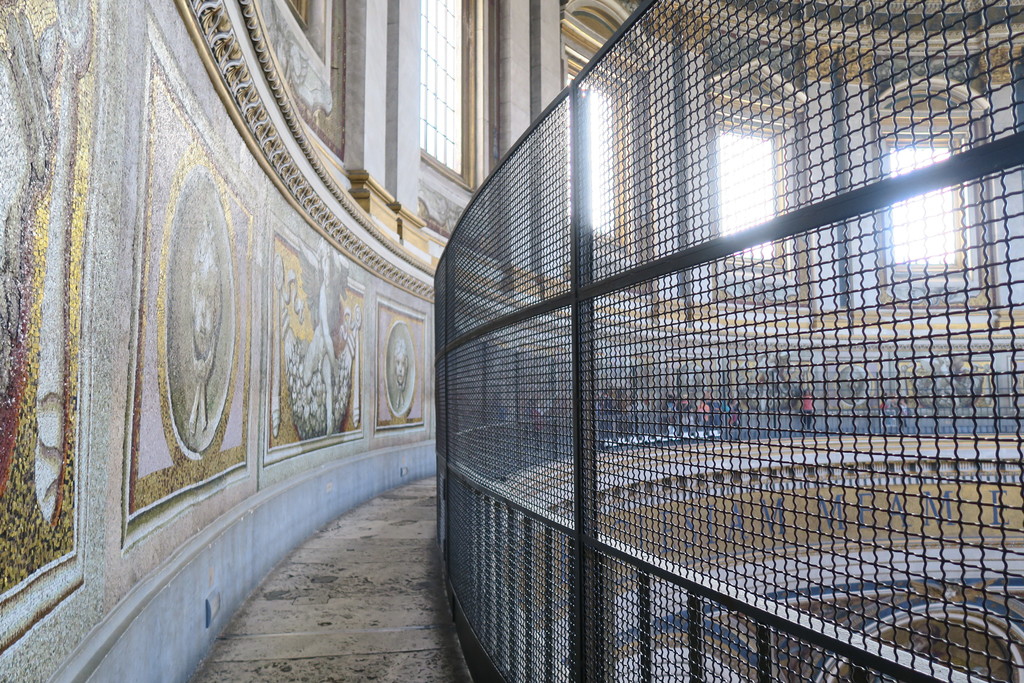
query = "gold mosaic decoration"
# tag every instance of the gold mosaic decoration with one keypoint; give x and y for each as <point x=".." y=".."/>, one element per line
<point x="46" y="128"/>
<point x="400" y="367"/>
<point x="190" y="392"/>
<point x="316" y="349"/>
<point x="213" y="31"/>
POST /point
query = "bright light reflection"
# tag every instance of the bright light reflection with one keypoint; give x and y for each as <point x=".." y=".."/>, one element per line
<point x="599" y="120"/>
<point x="746" y="185"/>
<point x="440" y="76"/>
<point x="924" y="227"/>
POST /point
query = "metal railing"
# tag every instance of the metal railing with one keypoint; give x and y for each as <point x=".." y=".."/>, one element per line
<point x="727" y="364"/>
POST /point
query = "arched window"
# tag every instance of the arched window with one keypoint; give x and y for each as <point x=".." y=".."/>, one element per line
<point x="586" y="26"/>
<point x="441" y="81"/>
<point x="932" y="231"/>
<point x="925" y="229"/>
<point x="746" y="184"/>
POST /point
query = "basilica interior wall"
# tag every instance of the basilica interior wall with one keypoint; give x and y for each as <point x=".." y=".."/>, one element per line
<point x="186" y="325"/>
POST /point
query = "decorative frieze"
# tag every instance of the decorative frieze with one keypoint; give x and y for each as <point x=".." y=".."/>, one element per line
<point x="214" y="30"/>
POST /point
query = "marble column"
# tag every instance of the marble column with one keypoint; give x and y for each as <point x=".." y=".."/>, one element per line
<point x="546" y="78"/>
<point x="403" y="102"/>
<point x="1005" y="211"/>
<point x="366" y="63"/>
<point x="513" y="71"/>
<point x="821" y="173"/>
<point x="692" y="136"/>
<point x="867" y="237"/>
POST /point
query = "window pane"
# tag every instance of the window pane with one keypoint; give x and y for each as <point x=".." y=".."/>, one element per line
<point x="600" y="133"/>
<point x="441" y="79"/>
<point x="924" y="227"/>
<point x="746" y="185"/>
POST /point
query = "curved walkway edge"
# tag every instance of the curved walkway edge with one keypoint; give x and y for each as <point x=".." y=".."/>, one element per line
<point x="362" y="600"/>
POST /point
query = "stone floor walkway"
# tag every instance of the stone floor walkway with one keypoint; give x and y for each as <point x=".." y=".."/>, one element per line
<point x="362" y="600"/>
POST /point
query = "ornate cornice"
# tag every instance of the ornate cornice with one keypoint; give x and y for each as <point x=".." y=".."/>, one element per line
<point x="998" y="63"/>
<point x="211" y="28"/>
<point x="858" y="65"/>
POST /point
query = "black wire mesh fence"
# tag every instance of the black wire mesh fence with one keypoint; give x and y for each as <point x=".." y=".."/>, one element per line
<point x="728" y="355"/>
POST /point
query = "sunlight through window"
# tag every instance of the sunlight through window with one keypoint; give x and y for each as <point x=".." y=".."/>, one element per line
<point x="440" y="81"/>
<point x="924" y="227"/>
<point x="746" y="185"/>
<point x="600" y="163"/>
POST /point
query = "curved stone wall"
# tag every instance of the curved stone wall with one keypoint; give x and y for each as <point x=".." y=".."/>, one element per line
<point x="207" y="349"/>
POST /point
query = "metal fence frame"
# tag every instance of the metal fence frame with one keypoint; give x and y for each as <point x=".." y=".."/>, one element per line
<point x="988" y="158"/>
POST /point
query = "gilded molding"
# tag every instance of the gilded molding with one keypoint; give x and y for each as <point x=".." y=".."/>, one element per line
<point x="997" y="63"/>
<point x="819" y="61"/>
<point x="211" y="25"/>
<point x="858" y="65"/>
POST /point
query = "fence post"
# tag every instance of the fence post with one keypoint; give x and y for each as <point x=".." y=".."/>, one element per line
<point x="695" y="637"/>
<point x="764" y="654"/>
<point x="584" y="456"/>
<point x="646" y="649"/>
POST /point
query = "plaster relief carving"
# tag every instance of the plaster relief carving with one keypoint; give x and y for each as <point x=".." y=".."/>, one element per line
<point x="948" y="387"/>
<point x="440" y="213"/>
<point x="211" y="20"/>
<point x="304" y="71"/>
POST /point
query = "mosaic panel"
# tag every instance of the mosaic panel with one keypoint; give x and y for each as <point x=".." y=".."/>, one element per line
<point x="46" y="86"/>
<point x="190" y="389"/>
<point x="400" y="366"/>
<point x="315" y="362"/>
<point x="302" y="39"/>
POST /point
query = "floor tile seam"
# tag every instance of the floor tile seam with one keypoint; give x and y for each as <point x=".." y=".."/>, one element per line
<point x="377" y="524"/>
<point x="381" y="524"/>
<point x="316" y="600"/>
<point x="368" y="584"/>
<point x="353" y="592"/>
<point x="378" y="514"/>
<point x="341" y="631"/>
<point x="440" y="628"/>
<point x="343" y="602"/>
<point x="369" y="534"/>
<point x="375" y="504"/>
<point x="380" y="653"/>
<point x="369" y="575"/>
<point x="416" y="548"/>
<point x="349" y="521"/>
<point x="371" y="580"/>
<point x="342" y="563"/>
<point x="345" y="565"/>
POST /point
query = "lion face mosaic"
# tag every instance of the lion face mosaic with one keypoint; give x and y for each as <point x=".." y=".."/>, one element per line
<point x="200" y="315"/>
<point x="400" y="400"/>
